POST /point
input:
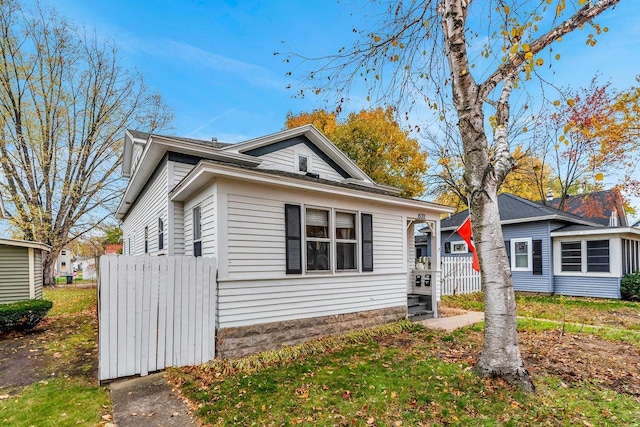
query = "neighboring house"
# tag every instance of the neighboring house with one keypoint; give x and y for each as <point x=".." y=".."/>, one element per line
<point x="21" y="275"/>
<point x="88" y="268"/>
<point x="64" y="263"/>
<point x="557" y="252"/>
<point x="299" y="232"/>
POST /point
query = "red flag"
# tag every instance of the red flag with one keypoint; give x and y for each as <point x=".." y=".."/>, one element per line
<point x="467" y="235"/>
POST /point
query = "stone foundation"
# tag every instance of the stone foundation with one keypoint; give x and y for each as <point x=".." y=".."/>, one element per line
<point x="245" y="340"/>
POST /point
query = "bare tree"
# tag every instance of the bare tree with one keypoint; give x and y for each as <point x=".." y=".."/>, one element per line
<point x="65" y="101"/>
<point x="420" y="48"/>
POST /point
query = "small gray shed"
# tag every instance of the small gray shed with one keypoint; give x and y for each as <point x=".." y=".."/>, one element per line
<point x="21" y="270"/>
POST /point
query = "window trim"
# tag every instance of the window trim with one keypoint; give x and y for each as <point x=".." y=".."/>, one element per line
<point x="514" y="256"/>
<point x="197" y="239"/>
<point x="461" y="251"/>
<point x="299" y="157"/>
<point x="355" y="240"/>
<point x="587" y="265"/>
<point x="160" y="234"/>
<point x="615" y="268"/>
<point x="328" y="240"/>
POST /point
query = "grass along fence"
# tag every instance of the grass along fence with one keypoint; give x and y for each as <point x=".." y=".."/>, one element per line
<point x="459" y="277"/>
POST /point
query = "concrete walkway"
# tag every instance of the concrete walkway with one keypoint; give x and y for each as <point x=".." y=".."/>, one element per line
<point x="148" y="401"/>
<point x="454" y="322"/>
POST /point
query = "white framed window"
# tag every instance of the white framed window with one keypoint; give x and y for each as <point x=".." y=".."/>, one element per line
<point x="197" y="230"/>
<point x="521" y="254"/>
<point x="318" y="239"/>
<point x="346" y="241"/>
<point x="585" y="256"/>
<point x="63" y="253"/>
<point x="160" y="234"/>
<point x="459" y="247"/>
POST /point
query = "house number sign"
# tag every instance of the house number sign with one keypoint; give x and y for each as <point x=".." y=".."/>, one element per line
<point x="422" y="216"/>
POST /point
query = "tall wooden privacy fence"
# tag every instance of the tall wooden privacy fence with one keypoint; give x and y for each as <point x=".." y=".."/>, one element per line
<point x="459" y="277"/>
<point x="155" y="312"/>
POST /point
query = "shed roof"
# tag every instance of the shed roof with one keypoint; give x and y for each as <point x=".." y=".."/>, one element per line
<point x="25" y="244"/>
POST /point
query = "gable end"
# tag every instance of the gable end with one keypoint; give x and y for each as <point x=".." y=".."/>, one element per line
<point x="287" y="143"/>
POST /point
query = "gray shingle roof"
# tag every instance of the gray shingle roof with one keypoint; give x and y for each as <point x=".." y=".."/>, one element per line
<point x="214" y="144"/>
<point x="513" y="208"/>
<point x="595" y="207"/>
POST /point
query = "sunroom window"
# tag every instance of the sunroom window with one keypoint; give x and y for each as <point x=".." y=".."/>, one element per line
<point x="318" y="239"/>
<point x="598" y="256"/>
<point x="571" y="256"/>
<point x="346" y="241"/>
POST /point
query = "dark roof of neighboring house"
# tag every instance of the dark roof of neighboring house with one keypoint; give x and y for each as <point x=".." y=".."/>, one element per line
<point x="595" y="207"/>
<point x="636" y="224"/>
<point x="215" y="144"/>
<point x="514" y="208"/>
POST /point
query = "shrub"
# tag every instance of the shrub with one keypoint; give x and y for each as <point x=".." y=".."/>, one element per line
<point x="630" y="287"/>
<point x="22" y="315"/>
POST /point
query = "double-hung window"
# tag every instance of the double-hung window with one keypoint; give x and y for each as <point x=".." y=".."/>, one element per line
<point x="318" y="239"/>
<point x="327" y="240"/>
<point x="521" y="254"/>
<point x="197" y="231"/>
<point x="160" y="234"/>
<point x="346" y="241"/>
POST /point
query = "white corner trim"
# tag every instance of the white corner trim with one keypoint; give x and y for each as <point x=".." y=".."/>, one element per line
<point x="32" y="275"/>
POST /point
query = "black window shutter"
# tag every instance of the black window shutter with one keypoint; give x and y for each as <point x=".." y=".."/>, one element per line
<point x="447" y="247"/>
<point x="293" y="236"/>
<point x="367" y="242"/>
<point x="537" y="257"/>
<point x="507" y="246"/>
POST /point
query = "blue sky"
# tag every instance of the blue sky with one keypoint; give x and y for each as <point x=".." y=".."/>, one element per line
<point x="213" y="60"/>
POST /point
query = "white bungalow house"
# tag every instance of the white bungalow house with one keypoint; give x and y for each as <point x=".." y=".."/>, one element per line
<point x="305" y="242"/>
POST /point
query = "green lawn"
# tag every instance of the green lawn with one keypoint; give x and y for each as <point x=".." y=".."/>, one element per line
<point x="589" y="311"/>
<point x="413" y="377"/>
<point x="70" y="396"/>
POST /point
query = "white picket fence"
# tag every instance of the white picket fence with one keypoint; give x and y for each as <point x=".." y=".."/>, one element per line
<point x="459" y="277"/>
<point x="155" y="312"/>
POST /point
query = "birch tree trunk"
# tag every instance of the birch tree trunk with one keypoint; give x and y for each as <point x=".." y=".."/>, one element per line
<point x="483" y="175"/>
<point x="401" y="61"/>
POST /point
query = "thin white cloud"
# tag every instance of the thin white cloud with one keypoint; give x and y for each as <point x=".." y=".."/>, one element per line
<point x="253" y="74"/>
<point x="213" y="119"/>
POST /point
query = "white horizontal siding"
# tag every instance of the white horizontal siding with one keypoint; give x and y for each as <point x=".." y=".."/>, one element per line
<point x="180" y="170"/>
<point x="178" y="228"/>
<point x="286" y="160"/>
<point x="149" y="207"/>
<point x="256" y="240"/>
<point x="207" y="202"/>
<point x="388" y="249"/>
<point x="261" y="301"/>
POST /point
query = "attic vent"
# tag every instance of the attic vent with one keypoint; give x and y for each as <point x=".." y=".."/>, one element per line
<point x="312" y="175"/>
